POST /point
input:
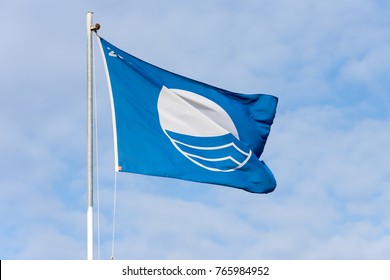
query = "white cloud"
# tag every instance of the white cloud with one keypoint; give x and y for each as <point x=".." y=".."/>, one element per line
<point x="44" y="242"/>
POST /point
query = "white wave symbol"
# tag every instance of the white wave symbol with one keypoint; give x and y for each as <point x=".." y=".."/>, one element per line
<point x="201" y="130"/>
<point x="227" y="163"/>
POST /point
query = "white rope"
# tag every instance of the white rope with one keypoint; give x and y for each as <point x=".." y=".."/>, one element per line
<point x="114" y="218"/>
<point x="97" y="156"/>
<point x="98" y="181"/>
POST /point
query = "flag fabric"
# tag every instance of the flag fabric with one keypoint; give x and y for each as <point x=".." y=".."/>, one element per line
<point x="172" y="126"/>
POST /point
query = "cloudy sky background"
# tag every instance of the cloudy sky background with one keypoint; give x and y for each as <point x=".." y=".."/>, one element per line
<point x="327" y="61"/>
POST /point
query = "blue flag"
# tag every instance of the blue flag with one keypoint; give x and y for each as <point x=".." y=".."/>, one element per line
<point x="172" y="126"/>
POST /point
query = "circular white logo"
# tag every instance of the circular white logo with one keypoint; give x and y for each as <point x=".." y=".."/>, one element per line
<point x="201" y="130"/>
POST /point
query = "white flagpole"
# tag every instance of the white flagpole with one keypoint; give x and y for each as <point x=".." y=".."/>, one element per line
<point x="90" y="28"/>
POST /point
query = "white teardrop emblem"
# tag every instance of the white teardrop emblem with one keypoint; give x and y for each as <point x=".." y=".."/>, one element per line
<point x="201" y="130"/>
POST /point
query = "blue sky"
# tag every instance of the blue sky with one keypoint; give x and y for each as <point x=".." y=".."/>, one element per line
<point x="327" y="61"/>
